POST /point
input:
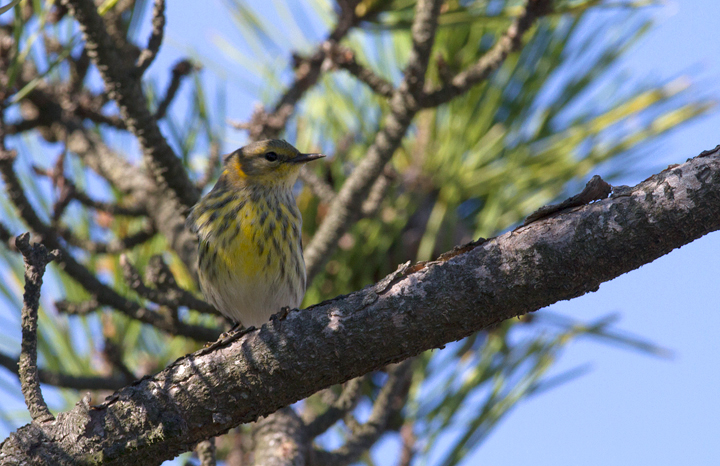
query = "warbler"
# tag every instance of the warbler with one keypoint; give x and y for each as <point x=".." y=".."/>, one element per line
<point x="250" y="261"/>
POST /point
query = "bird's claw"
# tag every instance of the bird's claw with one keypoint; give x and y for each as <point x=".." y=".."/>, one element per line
<point x="282" y="315"/>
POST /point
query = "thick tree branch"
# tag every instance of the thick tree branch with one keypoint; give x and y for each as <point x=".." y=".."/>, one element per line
<point x="414" y="309"/>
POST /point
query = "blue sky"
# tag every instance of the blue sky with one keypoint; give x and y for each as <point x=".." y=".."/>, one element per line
<point x="631" y="408"/>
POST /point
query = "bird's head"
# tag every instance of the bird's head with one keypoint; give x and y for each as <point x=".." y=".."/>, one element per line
<point x="269" y="163"/>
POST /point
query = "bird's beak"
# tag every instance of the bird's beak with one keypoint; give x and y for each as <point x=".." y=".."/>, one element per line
<point x="303" y="158"/>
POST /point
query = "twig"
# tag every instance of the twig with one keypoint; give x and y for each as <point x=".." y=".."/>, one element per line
<point x="212" y="166"/>
<point x="75" y="382"/>
<point x="423" y="38"/>
<point x="180" y="70"/>
<point x="346" y="402"/>
<point x="156" y="37"/>
<point x="389" y="401"/>
<point x="407" y="453"/>
<point x="126" y="89"/>
<point x="69" y="192"/>
<point x="113" y="354"/>
<point x="24" y="125"/>
<point x="509" y="42"/>
<point x="36" y="259"/>
<point x="347" y="204"/>
<point x="344" y="58"/>
<point x="160" y="275"/>
<point x="170" y="295"/>
<point x="317" y="185"/>
<point x="404" y="104"/>
<point x="206" y="452"/>
<point x="377" y="192"/>
<point x="264" y="125"/>
<point x="102" y="293"/>
<point x="115" y="246"/>
<point x="77" y="309"/>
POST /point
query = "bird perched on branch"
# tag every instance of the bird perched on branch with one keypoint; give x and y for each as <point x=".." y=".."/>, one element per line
<point x="250" y="260"/>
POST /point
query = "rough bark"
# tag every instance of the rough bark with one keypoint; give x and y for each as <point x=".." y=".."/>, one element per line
<point x="417" y="308"/>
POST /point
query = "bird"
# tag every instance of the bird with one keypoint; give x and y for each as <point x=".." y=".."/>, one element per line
<point x="250" y="260"/>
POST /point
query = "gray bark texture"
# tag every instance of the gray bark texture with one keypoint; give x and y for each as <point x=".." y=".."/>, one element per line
<point x="417" y="308"/>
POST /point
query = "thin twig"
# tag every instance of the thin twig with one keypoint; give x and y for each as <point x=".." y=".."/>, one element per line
<point x="156" y="37"/>
<point x="377" y="192"/>
<point x="346" y="206"/>
<point x="344" y="58"/>
<point x="213" y="162"/>
<point x="77" y="309"/>
<point x="126" y="89"/>
<point x="490" y="61"/>
<point x="264" y="125"/>
<point x="36" y="258"/>
<point x="346" y="402"/>
<point x="104" y="294"/>
<point x="389" y="401"/>
<point x="75" y="382"/>
<point x="404" y="104"/>
<point x="407" y="453"/>
<point x="115" y="246"/>
<point x="71" y="192"/>
<point x="179" y="71"/>
<point x="317" y="185"/>
<point x="113" y="355"/>
<point x="159" y="274"/>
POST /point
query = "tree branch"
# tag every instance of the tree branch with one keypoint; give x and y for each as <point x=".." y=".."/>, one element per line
<point x="179" y="71"/>
<point x="347" y="204"/>
<point x="390" y="400"/>
<point x="346" y="402"/>
<point x="156" y="37"/>
<point x="508" y="43"/>
<point x="75" y="382"/>
<point x="36" y="259"/>
<point x="104" y="294"/>
<point x="414" y="309"/>
<point x="344" y="58"/>
<point x="264" y="125"/>
<point x="125" y="88"/>
<point x="280" y="440"/>
<point x="206" y="452"/>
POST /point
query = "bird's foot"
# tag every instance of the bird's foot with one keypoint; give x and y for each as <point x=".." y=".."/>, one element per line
<point x="282" y="315"/>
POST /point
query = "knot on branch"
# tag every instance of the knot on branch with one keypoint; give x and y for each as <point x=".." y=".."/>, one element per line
<point x="36" y="255"/>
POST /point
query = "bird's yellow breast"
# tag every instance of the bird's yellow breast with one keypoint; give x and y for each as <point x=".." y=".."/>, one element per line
<point x="250" y="250"/>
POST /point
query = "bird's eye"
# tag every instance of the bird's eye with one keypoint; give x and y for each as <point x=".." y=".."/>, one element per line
<point x="271" y="156"/>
